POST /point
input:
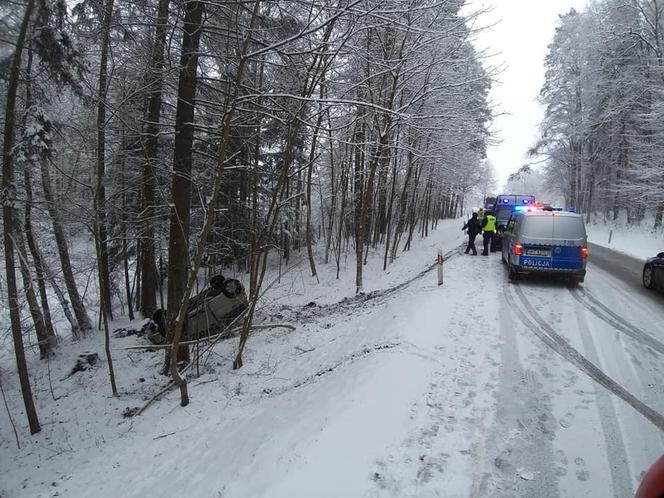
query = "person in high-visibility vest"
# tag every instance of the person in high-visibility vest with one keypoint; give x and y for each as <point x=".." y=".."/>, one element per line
<point x="489" y="227"/>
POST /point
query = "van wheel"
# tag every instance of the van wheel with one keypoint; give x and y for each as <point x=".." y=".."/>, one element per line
<point x="512" y="274"/>
<point x="231" y="288"/>
<point x="573" y="282"/>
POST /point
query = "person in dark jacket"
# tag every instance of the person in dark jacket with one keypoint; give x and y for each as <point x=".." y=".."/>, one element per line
<point x="474" y="228"/>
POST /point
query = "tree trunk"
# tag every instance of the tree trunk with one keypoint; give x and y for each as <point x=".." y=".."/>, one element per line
<point x="178" y="248"/>
<point x="388" y="229"/>
<point x="151" y="148"/>
<point x="44" y="341"/>
<point x="64" y="304"/>
<point x="412" y="211"/>
<point x="100" y="229"/>
<point x="658" y="215"/>
<point x="83" y="320"/>
<point x="34" y="250"/>
<point x="36" y="254"/>
<point x="8" y="198"/>
<point x="100" y="232"/>
<point x="310" y="168"/>
<point x="359" y="205"/>
<point x="334" y="192"/>
<point x="125" y="255"/>
<point x="403" y="207"/>
<point x="345" y="177"/>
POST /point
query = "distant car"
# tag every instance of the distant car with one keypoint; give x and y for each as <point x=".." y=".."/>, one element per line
<point x="546" y="242"/>
<point x="653" y="273"/>
<point x="652" y="484"/>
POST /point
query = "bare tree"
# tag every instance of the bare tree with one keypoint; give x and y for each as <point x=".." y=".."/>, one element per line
<point x="8" y="200"/>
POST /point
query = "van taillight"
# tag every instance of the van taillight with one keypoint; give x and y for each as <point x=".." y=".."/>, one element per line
<point x="518" y="249"/>
<point x="584" y="252"/>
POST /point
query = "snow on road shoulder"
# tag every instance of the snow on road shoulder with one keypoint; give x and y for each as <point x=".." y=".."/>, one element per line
<point x="296" y="286"/>
<point x="638" y="241"/>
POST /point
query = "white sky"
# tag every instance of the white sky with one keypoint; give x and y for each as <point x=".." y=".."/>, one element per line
<point x="520" y="33"/>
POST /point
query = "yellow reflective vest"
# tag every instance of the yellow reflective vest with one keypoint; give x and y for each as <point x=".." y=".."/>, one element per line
<point x="490" y="223"/>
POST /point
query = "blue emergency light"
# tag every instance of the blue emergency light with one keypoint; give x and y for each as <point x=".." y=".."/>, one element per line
<point x="505" y="201"/>
<point x="571" y="210"/>
<point x="525" y="201"/>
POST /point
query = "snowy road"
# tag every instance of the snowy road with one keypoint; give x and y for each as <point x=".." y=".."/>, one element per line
<point x="588" y="437"/>
<point x="478" y="388"/>
<point x="519" y="390"/>
<point x="622" y="266"/>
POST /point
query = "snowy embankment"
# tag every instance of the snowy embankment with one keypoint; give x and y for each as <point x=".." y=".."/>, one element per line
<point x="363" y="371"/>
<point x="479" y="387"/>
<point x="638" y="241"/>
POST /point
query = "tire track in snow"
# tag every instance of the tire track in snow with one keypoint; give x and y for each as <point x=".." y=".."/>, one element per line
<point x="522" y="434"/>
<point x="551" y="338"/>
<point x="615" y="445"/>
<point x="592" y="304"/>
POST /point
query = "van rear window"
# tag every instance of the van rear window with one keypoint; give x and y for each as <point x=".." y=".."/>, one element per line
<point x="569" y="228"/>
<point x="538" y="227"/>
<point x="554" y="227"/>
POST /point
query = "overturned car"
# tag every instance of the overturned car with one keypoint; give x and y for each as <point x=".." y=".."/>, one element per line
<point x="210" y="311"/>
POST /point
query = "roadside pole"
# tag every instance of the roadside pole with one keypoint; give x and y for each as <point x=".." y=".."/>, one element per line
<point x="439" y="263"/>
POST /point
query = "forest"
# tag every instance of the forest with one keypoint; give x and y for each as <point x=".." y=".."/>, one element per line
<point x="181" y="138"/>
<point x="602" y="137"/>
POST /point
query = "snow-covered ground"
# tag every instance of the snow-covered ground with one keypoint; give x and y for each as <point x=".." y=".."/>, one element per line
<point x="639" y="241"/>
<point x="474" y="388"/>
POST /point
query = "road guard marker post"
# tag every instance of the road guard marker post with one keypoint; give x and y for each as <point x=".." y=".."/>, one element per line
<point x="439" y="263"/>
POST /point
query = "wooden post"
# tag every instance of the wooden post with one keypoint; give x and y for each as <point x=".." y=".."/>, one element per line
<point x="439" y="262"/>
<point x="610" y="235"/>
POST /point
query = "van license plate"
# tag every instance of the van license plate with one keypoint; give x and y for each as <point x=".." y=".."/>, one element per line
<point x="538" y="252"/>
<point x="535" y="263"/>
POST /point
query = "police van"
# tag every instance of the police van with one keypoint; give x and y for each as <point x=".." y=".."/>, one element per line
<point x="551" y="242"/>
<point x="503" y="207"/>
<point x="505" y="204"/>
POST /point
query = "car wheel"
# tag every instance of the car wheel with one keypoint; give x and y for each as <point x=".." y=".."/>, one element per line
<point x="647" y="277"/>
<point x="231" y="288"/>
